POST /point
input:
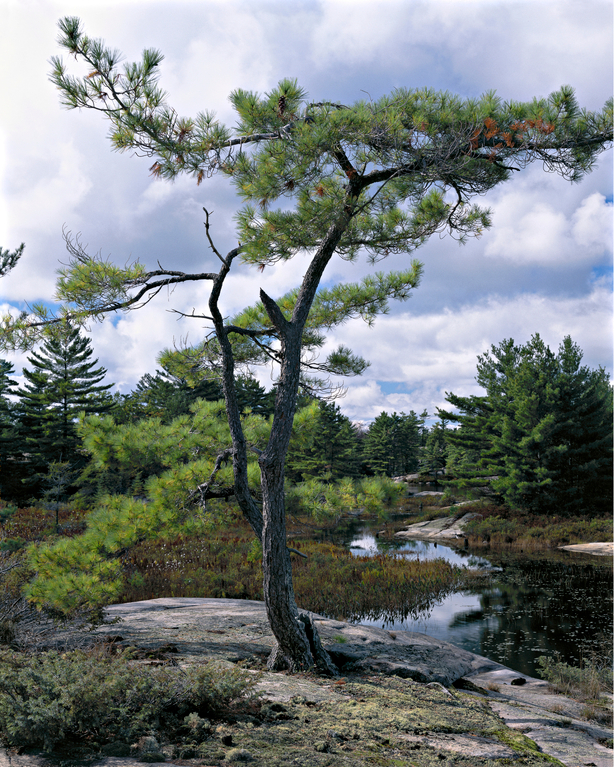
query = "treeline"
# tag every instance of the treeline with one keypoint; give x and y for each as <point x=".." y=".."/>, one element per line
<point x="63" y="433"/>
<point x="539" y="438"/>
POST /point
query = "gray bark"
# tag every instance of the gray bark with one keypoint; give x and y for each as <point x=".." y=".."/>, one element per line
<point x="298" y="644"/>
<point x="300" y="647"/>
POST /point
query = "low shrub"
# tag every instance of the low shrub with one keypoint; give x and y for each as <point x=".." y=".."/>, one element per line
<point x="95" y="696"/>
<point x="587" y="681"/>
<point x="515" y="529"/>
<point x="7" y="510"/>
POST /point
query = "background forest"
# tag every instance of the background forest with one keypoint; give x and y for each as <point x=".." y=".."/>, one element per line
<point x="538" y="439"/>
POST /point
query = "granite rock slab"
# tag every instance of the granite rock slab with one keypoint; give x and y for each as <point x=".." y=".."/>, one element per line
<point x="237" y="629"/>
<point x="191" y="630"/>
<point x="605" y="549"/>
<point x="433" y="529"/>
<point x="551" y="720"/>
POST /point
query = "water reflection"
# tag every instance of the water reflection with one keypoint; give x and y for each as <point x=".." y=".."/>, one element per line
<point x="366" y="544"/>
<point x="555" y="603"/>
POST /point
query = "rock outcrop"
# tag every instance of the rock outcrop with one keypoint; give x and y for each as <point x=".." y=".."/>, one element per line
<point x="391" y="705"/>
<point x="237" y="629"/>
<point x="444" y="527"/>
<point x="598" y="549"/>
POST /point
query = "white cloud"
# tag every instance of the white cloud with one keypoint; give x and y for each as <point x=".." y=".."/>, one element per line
<point x="436" y="352"/>
<point x="592" y="224"/>
<point x="60" y="188"/>
<point x="547" y="236"/>
<point x="532" y="227"/>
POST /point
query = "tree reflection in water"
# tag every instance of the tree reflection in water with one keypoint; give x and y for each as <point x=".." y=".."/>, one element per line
<point x="557" y="603"/>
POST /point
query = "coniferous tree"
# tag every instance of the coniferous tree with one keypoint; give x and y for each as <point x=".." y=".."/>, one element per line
<point x="392" y="444"/>
<point x="251" y="394"/>
<point x="543" y="430"/>
<point x="434" y="454"/>
<point x="11" y="461"/>
<point x="62" y="383"/>
<point x="317" y="177"/>
<point x="330" y="451"/>
<point x="164" y="395"/>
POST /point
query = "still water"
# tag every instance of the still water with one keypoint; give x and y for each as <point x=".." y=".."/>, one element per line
<point x="558" y="603"/>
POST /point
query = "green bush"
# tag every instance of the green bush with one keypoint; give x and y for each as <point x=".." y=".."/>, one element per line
<point x="97" y="696"/>
<point x="7" y="510"/>
<point x="12" y="544"/>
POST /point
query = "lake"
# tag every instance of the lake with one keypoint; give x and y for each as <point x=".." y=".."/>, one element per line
<point x="554" y="603"/>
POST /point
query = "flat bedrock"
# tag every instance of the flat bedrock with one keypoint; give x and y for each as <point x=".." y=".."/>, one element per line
<point x="192" y="630"/>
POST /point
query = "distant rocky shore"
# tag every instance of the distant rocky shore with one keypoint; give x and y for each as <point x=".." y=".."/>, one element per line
<point x="449" y="528"/>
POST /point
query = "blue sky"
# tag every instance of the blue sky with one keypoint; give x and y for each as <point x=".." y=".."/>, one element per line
<point x="545" y="266"/>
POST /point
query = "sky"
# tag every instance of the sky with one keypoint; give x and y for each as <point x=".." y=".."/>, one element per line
<point x="544" y="267"/>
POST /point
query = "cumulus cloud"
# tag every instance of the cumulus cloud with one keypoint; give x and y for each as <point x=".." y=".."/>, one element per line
<point x="535" y="264"/>
<point x="532" y="227"/>
<point x="592" y="225"/>
<point x="425" y="356"/>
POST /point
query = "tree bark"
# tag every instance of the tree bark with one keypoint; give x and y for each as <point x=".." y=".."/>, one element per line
<point x="298" y="643"/>
<point x="297" y="636"/>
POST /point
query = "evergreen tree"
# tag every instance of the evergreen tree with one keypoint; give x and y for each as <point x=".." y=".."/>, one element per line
<point x="329" y="451"/>
<point x="543" y="430"/>
<point x="252" y="395"/>
<point x="317" y="177"/>
<point x="11" y="462"/>
<point x="434" y="454"/>
<point x="392" y="444"/>
<point x="62" y="383"/>
<point x="165" y="396"/>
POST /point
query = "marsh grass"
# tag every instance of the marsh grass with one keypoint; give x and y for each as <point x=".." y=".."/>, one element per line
<point x="515" y="530"/>
<point x="36" y="523"/>
<point x="330" y="580"/>
<point x="21" y="625"/>
<point x="503" y="528"/>
<point x="586" y="682"/>
<point x="226" y="562"/>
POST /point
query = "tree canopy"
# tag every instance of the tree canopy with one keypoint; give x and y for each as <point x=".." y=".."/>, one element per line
<point x="375" y="177"/>
<point x="543" y="429"/>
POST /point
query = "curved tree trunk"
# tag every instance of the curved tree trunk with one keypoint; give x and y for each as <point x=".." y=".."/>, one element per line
<point x="297" y="637"/>
<point x="298" y="643"/>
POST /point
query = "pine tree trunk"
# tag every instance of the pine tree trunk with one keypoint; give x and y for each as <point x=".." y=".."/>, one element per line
<point x="282" y="611"/>
<point x="298" y="644"/>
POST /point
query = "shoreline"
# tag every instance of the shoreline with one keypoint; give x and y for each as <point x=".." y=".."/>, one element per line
<point x="452" y="528"/>
<point x="400" y="695"/>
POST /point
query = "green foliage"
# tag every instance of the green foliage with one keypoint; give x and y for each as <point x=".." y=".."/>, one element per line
<point x="165" y="396"/>
<point x="62" y="384"/>
<point x="325" y="501"/>
<point x="50" y="698"/>
<point x="12" y="544"/>
<point x="377" y="177"/>
<point x="9" y="259"/>
<point x="378" y="494"/>
<point x="542" y="434"/>
<point x="324" y="445"/>
<point x="11" y="442"/>
<point x="7" y="510"/>
<point x="396" y="157"/>
<point x="434" y="454"/>
<point x="392" y="445"/>
<point x="528" y="532"/>
<point x="331" y="581"/>
<point x="84" y="572"/>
